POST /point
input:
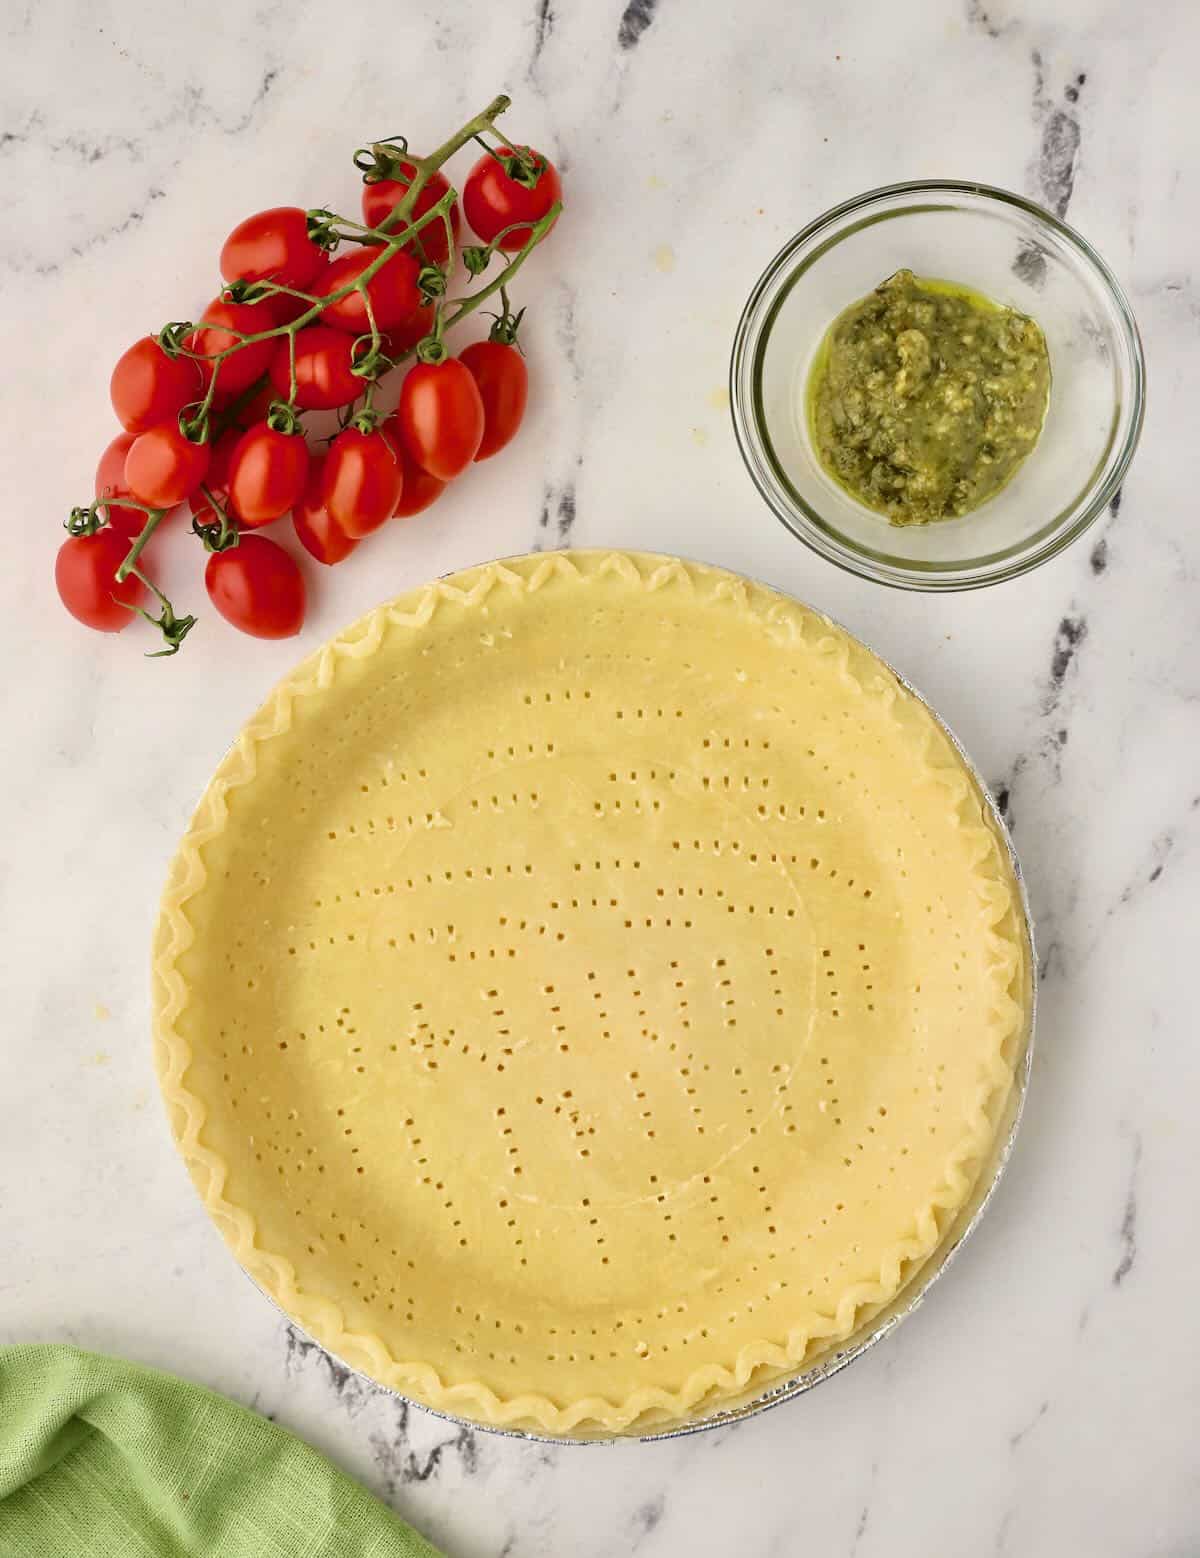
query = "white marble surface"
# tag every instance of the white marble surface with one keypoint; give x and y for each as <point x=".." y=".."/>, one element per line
<point x="1047" y="1398"/>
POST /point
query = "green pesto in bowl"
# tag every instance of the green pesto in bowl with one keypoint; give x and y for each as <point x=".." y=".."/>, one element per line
<point x="925" y="398"/>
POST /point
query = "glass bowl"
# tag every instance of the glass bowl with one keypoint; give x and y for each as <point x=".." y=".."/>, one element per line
<point x="1012" y="251"/>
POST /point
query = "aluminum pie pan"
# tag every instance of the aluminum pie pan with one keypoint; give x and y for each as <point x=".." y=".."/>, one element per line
<point x="884" y="1321"/>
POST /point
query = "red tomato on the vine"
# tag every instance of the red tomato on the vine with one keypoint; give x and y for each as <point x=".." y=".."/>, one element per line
<point x="164" y="466"/>
<point x="256" y="408"/>
<point x="380" y="199"/>
<point x="267" y="472"/>
<point x="221" y="459"/>
<point x="440" y="416"/>
<point x="258" y="587"/>
<point x="419" y="488"/>
<point x="287" y="308"/>
<point x="320" y="535"/>
<point x="324" y="360"/>
<point x="499" y="371"/>
<point x="218" y="324"/>
<point x="85" y="574"/>
<point x="362" y="482"/>
<point x="273" y="246"/>
<point x="493" y="199"/>
<point x="409" y="331"/>
<point x="111" y="483"/>
<point x="216" y="478"/>
<point x="392" y="290"/>
<point x="148" y="386"/>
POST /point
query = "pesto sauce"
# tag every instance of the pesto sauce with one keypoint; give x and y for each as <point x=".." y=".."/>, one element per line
<point x="925" y="398"/>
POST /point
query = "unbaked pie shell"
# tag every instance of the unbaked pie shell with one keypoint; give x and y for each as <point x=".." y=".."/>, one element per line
<point x="587" y="990"/>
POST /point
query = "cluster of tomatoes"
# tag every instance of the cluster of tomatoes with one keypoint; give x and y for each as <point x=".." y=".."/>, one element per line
<point x="212" y="412"/>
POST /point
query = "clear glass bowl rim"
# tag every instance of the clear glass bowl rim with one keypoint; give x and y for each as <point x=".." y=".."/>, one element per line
<point x="797" y="515"/>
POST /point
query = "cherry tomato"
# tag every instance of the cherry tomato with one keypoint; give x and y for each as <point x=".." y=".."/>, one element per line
<point x="320" y="536"/>
<point x="441" y="418"/>
<point x="147" y="386"/>
<point x="379" y="200"/>
<point x="164" y="466"/>
<point x="84" y="572"/>
<point x="258" y="587"/>
<point x="362" y="483"/>
<point x="411" y="330"/>
<point x="220" y="460"/>
<point x="216" y="478"/>
<point x="256" y="408"/>
<point x="323" y="369"/>
<point x="288" y="308"/>
<point x="273" y="246"/>
<point x="503" y="380"/>
<point x="238" y="372"/>
<point x="266" y="474"/>
<point x="492" y="200"/>
<point x="392" y="290"/>
<point x="110" y="483"/>
<point x="420" y="489"/>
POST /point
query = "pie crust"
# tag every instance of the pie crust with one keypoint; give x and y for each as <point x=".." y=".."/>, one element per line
<point x="587" y="990"/>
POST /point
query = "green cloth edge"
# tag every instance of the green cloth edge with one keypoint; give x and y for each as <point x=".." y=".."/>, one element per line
<point x="112" y="1460"/>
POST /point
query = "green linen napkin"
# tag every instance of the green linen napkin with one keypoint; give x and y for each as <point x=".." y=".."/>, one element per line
<point x="103" y="1459"/>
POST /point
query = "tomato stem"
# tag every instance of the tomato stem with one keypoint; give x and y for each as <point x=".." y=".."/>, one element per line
<point x="221" y="534"/>
<point x="376" y="333"/>
<point x="537" y="232"/>
<point x="173" y="629"/>
<point x="155" y="518"/>
<point x="527" y="171"/>
<point x="506" y="323"/>
<point x="426" y="166"/>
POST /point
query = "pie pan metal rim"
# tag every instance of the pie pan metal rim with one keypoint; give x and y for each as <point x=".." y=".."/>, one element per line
<point x="912" y="1294"/>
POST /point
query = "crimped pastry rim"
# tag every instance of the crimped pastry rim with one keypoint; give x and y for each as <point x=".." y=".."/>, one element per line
<point x="758" y="1364"/>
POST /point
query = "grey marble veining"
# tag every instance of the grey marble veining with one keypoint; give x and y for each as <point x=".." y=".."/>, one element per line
<point x="1045" y="1399"/>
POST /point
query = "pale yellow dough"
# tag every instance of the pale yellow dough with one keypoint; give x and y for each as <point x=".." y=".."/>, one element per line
<point x="587" y="988"/>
